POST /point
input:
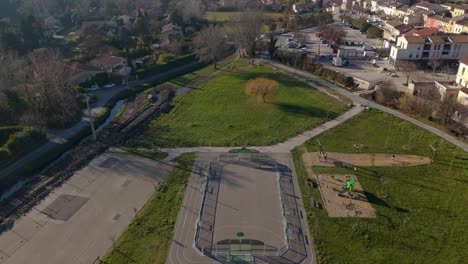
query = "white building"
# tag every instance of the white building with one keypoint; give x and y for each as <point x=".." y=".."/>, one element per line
<point x="462" y="73"/>
<point x="430" y="48"/>
<point x="462" y="97"/>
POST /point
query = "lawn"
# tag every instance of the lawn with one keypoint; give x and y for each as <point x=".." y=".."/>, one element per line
<point x="143" y="154"/>
<point x="219" y="113"/>
<point x="148" y="237"/>
<point x="233" y="16"/>
<point x="422" y="211"/>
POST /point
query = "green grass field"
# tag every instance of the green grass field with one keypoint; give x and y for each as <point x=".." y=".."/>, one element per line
<point x="422" y="211"/>
<point x="219" y="113"/>
<point x="147" y="238"/>
<point x="233" y="16"/>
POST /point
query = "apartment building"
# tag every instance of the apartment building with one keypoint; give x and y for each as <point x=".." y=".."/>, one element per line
<point x="462" y="73"/>
<point x="434" y="47"/>
<point x="460" y="10"/>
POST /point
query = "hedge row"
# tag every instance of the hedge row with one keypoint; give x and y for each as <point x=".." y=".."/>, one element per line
<point x="6" y="131"/>
<point x="20" y="140"/>
<point x="158" y="68"/>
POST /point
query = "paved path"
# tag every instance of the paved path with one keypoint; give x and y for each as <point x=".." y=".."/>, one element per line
<point x="283" y="147"/>
<point x="357" y="99"/>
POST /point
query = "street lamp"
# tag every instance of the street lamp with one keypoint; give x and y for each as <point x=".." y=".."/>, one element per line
<point x="91" y="120"/>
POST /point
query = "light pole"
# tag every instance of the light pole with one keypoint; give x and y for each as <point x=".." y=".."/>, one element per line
<point x="87" y="98"/>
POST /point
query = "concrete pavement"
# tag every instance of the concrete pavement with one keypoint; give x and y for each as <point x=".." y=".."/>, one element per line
<point x="80" y="220"/>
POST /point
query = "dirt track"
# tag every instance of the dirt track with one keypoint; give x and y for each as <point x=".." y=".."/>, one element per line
<point x="335" y="159"/>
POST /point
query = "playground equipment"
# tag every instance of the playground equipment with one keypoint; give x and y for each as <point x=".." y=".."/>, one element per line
<point x="348" y="187"/>
<point x="321" y="151"/>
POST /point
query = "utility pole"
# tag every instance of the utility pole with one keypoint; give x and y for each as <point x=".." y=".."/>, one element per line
<point x="87" y="98"/>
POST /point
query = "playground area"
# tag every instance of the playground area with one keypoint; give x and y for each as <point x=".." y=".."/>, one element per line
<point x="336" y="159"/>
<point x="342" y="194"/>
<point x="338" y="201"/>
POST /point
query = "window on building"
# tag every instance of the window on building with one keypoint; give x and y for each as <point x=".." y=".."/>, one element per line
<point x="410" y="56"/>
<point x="427" y="47"/>
<point x="425" y="54"/>
<point x="463" y="70"/>
<point x="446" y="46"/>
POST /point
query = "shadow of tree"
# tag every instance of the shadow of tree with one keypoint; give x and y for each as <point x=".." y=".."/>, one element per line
<point x="307" y="111"/>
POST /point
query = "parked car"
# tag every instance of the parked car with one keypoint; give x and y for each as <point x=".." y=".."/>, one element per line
<point x="109" y="85"/>
<point x="304" y="50"/>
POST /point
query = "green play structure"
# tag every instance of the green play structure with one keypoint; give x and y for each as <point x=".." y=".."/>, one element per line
<point x="348" y="187"/>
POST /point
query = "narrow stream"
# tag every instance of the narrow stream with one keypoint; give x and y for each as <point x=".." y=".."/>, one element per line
<point x="112" y="114"/>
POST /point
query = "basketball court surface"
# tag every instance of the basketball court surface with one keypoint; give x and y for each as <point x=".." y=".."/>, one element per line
<point x="242" y="209"/>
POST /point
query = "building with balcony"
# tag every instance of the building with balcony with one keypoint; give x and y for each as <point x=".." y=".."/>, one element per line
<point x="435" y="47"/>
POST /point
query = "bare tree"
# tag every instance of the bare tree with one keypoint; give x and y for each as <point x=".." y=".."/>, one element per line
<point x="387" y="94"/>
<point x="247" y="29"/>
<point x="446" y="109"/>
<point x="210" y="44"/>
<point x="407" y="68"/>
<point x="261" y="87"/>
<point x="47" y="89"/>
<point x="434" y="65"/>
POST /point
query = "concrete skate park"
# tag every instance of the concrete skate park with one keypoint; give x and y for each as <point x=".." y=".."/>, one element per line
<point x="242" y="206"/>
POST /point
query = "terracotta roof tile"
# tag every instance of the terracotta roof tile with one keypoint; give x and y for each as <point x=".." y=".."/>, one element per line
<point x="414" y="39"/>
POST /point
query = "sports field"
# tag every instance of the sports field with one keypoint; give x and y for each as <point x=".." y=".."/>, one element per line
<point x="421" y="210"/>
<point x="217" y="112"/>
<point x="241" y="195"/>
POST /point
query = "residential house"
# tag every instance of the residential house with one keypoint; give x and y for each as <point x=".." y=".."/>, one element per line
<point x="79" y="73"/>
<point x="171" y="30"/>
<point x="415" y="18"/>
<point x="430" y="7"/>
<point x="440" y="23"/>
<point x="461" y="25"/>
<point x="460" y="10"/>
<point x="462" y="73"/>
<point x="394" y="28"/>
<point x="109" y="63"/>
<point x="449" y="6"/>
<point x="462" y="97"/>
<point x="108" y="28"/>
<point x="422" y="32"/>
<point x="400" y="11"/>
<point x="430" y="47"/>
<point x="433" y="91"/>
